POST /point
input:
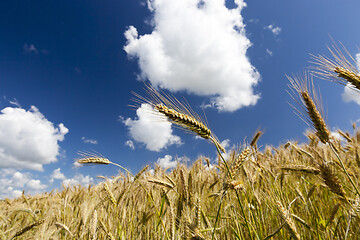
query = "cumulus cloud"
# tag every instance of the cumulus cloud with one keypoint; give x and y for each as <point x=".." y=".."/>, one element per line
<point x="91" y="141"/>
<point x="130" y="144"/>
<point x="274" y="29"/>
<point x="147" y="128"/>
<point x="78" y="179"/>
<point x="13" y="182"/>
<point x="27" y="139"/>
<point x="351" y="94"/>
<point x="200" y="48"/>
<point x="57" y="175"/>
<point x="166" y="162"/>
<point x="337" y="135"/>
<point x="225" y="143"/>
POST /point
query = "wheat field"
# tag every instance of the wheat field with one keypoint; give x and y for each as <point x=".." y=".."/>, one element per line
<point x="295" y="191"/>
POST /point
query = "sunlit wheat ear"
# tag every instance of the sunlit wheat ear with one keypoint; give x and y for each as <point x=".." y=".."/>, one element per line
<point x="289" y="223"/>
<point x="93" y="225"/>
<point x="341" y="68"/>
<point x="109" y="194"/>
<point x="309" y="105"/>
<point x="63" y="226"/>
<point x="300" y="168"/>
<point x="94" y="158"/>
<point x="331" y="180"/>
<point x="178" y="113"/>
<point x="238" y="162"/>
<point x="256" y="138"/>
<point x="28" y="228"/>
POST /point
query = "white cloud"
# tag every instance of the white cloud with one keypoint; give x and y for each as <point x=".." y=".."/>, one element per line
<point x="27" y="139"/>
<point x="351" y="94"/>
<point x="155" y="132"/>
<point x="337" y="135"/>
<point x="166" y="162"/>
<point x="15" y="102"/>
<point x="357" y="57"/>
<point x="91" y="141"/>
<point x="78" y="179"/>
<point x="57" y="174"/>
<point x="130" y="144"/>
<point x="269" y="52"/>
<point x="30" y="48"/>
<point x="225" y="143"/>
<point x="200" y="49"/>
<point x="274" y="29"/>
<point x="13" y="182"/>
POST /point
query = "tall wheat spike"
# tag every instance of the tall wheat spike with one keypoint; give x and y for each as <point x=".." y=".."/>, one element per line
<point x="304" y="87"/>
<point x="93" y="225"/>
<point x="238" y="161"/>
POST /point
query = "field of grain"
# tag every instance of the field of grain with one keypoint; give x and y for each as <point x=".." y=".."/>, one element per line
<point x="294" y="191"/>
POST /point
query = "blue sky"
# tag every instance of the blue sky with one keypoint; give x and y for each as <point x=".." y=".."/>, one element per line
<point x="67" y="70"/>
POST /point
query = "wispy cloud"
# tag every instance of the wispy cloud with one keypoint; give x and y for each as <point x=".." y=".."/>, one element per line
<point x="78" y="70"/>
<point x="27" y="139"/>
<point x="15" y="102"/>
<point x="148" y="129"/>
<point x="130" y="144"/>
<point x="197" y="48"/>
<point x="91" y="141"/>
<point x="30" y="48"/>
<point x="268" y="51"/>
<point x="274" y="29"/>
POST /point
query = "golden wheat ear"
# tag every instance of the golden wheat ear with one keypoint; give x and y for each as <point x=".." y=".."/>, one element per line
<point x="310" y="107"/>
<point x="168" y="108"/>
<point x="341" y="68"/>
<point x="91" y="158"/>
